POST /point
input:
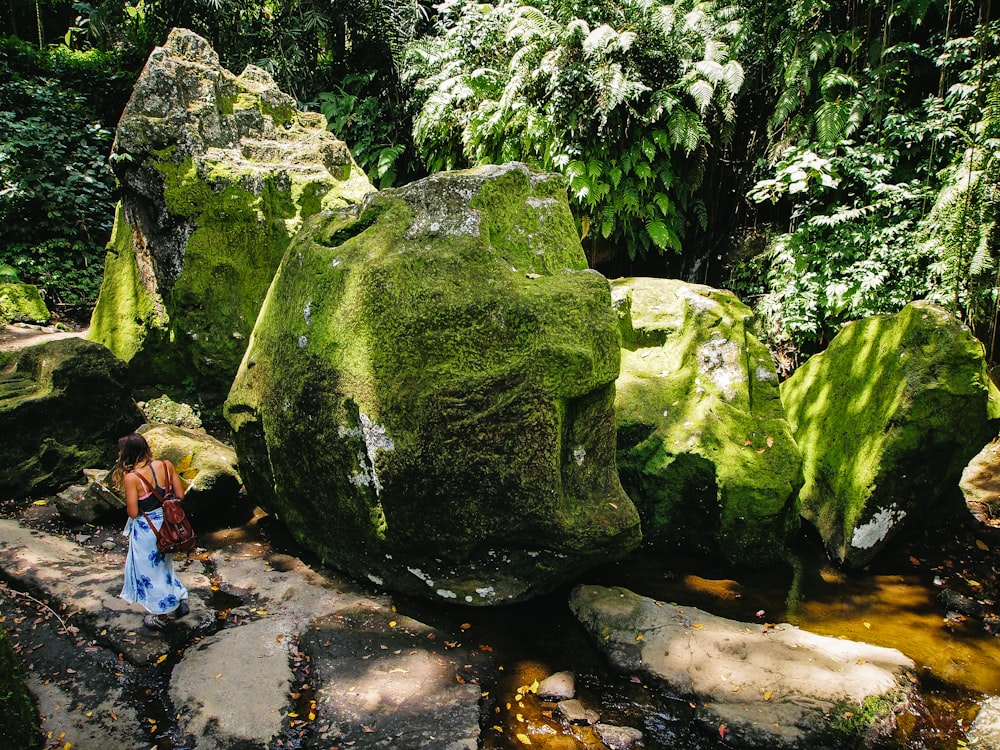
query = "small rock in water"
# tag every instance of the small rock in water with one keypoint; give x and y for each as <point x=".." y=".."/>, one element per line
<point x="618" y="738"/>
<point x="575" y="712"/>
<point x="108" y="545"/>
<point x="557" y="687"/>
<point x="81" y="538"/>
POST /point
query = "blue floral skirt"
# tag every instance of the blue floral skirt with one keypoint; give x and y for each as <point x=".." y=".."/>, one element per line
<point x="149" y="574"/>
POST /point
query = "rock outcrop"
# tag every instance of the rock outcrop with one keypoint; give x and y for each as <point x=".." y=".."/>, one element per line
<point x="704" y="450"/>
<point x="63" y="406"/>
<point x="765" y="686"/>
<point x="443" y="364"/>
<point x="21" y="303"/>
<point x="217" y="173"/>
<point x="208" y="468"/>
<point x="887" y="418"/>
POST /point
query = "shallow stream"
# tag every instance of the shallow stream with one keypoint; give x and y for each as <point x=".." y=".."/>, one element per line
<point x="893" y="603"/>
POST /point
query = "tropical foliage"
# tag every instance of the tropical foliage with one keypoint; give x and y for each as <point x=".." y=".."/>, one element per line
<point x="865" y="121"/>
<point x="853" y="142"/>
<point x="625" y="99"/>
<point x="56" y="192"/>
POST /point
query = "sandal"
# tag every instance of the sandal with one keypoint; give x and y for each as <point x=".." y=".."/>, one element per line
<point x="155" y="622"/>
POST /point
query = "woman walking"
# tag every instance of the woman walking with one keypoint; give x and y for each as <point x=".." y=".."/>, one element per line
<point x="149" y="573"/>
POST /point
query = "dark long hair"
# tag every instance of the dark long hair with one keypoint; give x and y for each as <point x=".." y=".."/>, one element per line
<point x="132" y="449"/>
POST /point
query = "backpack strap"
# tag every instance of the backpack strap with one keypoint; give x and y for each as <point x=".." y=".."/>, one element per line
<point x="155" y="490"/>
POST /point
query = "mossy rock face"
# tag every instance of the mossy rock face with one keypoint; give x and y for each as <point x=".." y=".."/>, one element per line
<point x="427" y="396"/>
<point x="18" y="716"/>
<point x="218" y="172"/>
<point x="208" y="468"/>
<point x="63" y="406"/>
<point x="704" y="449"/>
<point x="887" y="418"/>
<point x="21" y="303"/>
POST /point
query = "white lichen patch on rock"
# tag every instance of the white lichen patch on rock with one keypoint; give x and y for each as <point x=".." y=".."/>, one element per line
<point x="877" y="529"/>
<point x="723" y="362"/>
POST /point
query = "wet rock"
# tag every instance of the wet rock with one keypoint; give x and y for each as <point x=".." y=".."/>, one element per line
<point x="574" y="712"/>
<point x="984" y="732"/>
<point x="704" y="449"/>
<point x="618" y="738"/>
<point x="444" y="362"/>
<point x="775" y="687"/>
<point x="964" y="605"/>
<point x="557" y="687"/>
<point x="905" y="401"/>
<point x="63" y="406"/>
<point x="217" y="173"/>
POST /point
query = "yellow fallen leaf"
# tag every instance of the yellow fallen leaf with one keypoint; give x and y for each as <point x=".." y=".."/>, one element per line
<point x="523" y="739"/>
<point x="40" y="502"/>
<point x="293" y="715"/>
<point x="498" y="728"/>
<point x="161" y="659"/>
<point x="68" y="746"/>
<point x="639" y="637"/>
<point x="312" y="716"/>
<point x="519" y="717"/>
<point x="698" y="625"/>
<point x="261" y="612"/>
<point x="768" y="694"/>
<point x="392" y="623"/>
<point x="465" y="625"/>
<point x="982" y="545"/>
<point x="218" y="675"/>
<point x="868" y="625"/>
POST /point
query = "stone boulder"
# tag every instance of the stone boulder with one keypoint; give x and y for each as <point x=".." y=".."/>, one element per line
<point x="887" y="418"/>
<point x="767" y="686"/>
<point x="208" y="467"/>
<point x="165" y="410"/>
<point x="427" y="398"/>
<point x="217" y="173"/>
<point x="87" y="503"/>
<point x="63" y="406"/>
<point x="704" y="450"/>
<point x="21" y="303"/>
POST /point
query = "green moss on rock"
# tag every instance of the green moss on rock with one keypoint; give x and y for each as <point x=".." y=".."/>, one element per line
<point x="704" y="449"/>
<point x="63" y="406"/>
<point x="21" y="303"/>
<point x="447" y="375"/>
<point x="18" y="716"/>
<point x="887" y="418"/>
<point x="218" y="172"/>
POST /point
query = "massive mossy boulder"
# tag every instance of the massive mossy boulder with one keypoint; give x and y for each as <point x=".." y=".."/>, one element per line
<point x="887" y="419"/>
<point x="704" y="449"/>
<point x="63" y="406"/>
<point x="427" y="398"/>
<point x="22" y="303"/>
<point x="217" y="173"/>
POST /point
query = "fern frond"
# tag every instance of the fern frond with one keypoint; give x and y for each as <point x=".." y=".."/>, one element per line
<point x="702" y="92"/>
<point x="831" y="121"/>
<point x="599" y="40"/>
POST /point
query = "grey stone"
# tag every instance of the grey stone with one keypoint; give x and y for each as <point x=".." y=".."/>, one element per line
<point x="774" y="687"/>
<point x="557" y="687"/>
<point x="618" y="738"/>
<point x="574" y="712"/>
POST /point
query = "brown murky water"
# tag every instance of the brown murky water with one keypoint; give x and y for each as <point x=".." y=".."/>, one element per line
<point x="893" y="604"/>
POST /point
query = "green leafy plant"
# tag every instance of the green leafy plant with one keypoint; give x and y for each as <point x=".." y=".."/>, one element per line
<point x="624" y="99"/>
